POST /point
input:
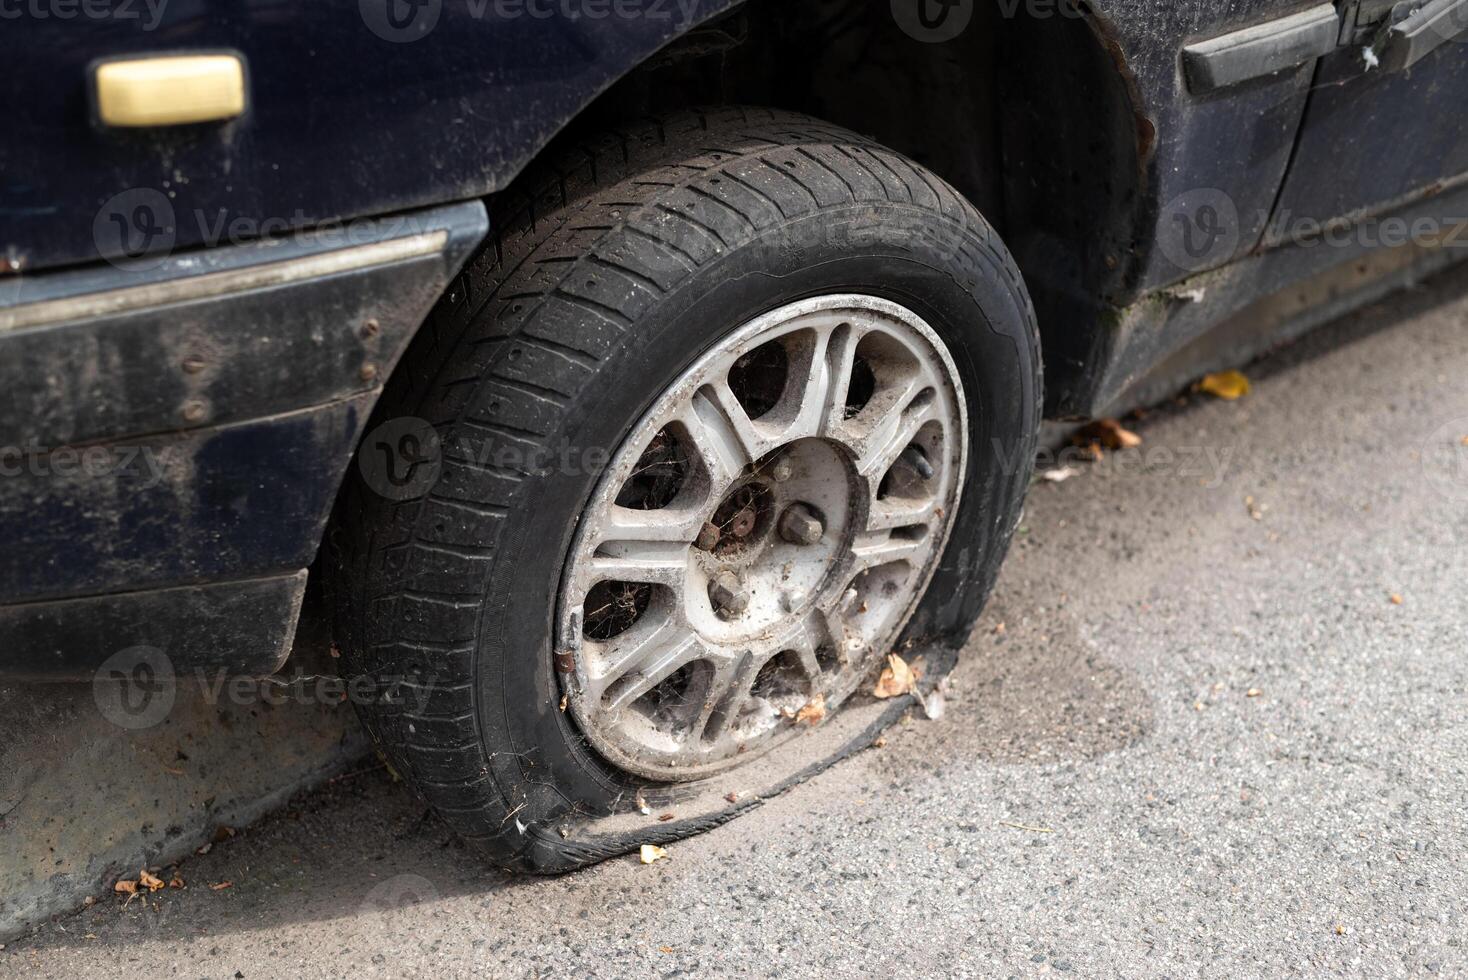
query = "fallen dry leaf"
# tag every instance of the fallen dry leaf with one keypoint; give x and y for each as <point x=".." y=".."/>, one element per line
<point x="1228" y="385"/>
<point x="665" y="949"/>
<point x="897" y="679"/>
<point x="732" y="797"/>
<point x="176" y="881"/>
<point x="125" y="887"/>
<point x="1396" y="599"/>
<point x="880" y="743"/>
<point x="642" y="806"/>
<point x="220" y="886"/>
<point x="151" y="882"/>
<point x="1253" y="692"/>
<point x="813" y="712"/>
<point x="1109" y="433"/>
<point x="664" y="818"/>
<point x="651" y="854"/>
<point x="564" y="699"/>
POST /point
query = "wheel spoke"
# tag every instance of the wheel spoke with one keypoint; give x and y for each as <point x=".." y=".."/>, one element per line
<point x="721" y="442"/>
<point x="646" y="663"/>
<point x="878" y="444"/>
<point x="873" y="549"/>
<point x="896" y="512"/>
<point x="725" y="696"/>
<point x="825" y="376"/>
<point x="652" y="562"/>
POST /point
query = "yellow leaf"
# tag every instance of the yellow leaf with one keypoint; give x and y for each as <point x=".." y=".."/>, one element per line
<point x="1228" y="385"/>
<point x="150" y="882"/>
<point x="897" y="679"/>
<point x="651" y="854"/>
<point x="813" y="712"/>
<point x="1108" y="433"/>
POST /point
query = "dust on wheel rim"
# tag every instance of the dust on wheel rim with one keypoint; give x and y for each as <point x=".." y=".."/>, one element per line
<point x="761" y="536"/>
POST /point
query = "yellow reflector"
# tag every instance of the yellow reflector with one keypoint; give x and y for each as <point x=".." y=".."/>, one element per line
<point x="170" y="91"/>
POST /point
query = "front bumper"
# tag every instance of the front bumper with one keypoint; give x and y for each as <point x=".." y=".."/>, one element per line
<point x="174" y="436"/>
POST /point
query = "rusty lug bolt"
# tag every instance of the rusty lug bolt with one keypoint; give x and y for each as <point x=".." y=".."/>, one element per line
<point x="781" y="470"/>
<point x="708" y="537"/>
<point x="800" y="525"/>
<point x="727" y="594"/>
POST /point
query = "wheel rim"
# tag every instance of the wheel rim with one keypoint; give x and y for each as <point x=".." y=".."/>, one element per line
<point x="761" y="537"/>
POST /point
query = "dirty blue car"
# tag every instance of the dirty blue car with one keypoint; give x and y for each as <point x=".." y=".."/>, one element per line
<point x="637" y="390"/>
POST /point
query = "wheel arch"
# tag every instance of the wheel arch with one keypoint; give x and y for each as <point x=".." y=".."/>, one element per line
<point x="1032" y="112"/>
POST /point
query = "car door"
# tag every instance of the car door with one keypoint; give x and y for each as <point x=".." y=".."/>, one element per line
<point x="1385" y="124"/>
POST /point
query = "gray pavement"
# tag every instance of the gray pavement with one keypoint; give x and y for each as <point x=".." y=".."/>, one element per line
<point x="1193" y="735"/>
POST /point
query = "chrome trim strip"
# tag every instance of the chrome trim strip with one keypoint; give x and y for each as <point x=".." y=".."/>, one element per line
<point x="214" y="284"/>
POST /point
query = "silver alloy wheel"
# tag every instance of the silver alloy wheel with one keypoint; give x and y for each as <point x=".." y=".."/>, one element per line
<point x="761" y="536"/>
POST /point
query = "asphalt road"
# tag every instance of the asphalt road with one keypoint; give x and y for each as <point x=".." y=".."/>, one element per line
<point x="1193" y="735"/>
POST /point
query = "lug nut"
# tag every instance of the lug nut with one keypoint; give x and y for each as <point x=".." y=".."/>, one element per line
<point x="728" y="595"/>
<point x="800" y="525"/>
<point x="708" y="537"/>
<point x="781" y="470"/>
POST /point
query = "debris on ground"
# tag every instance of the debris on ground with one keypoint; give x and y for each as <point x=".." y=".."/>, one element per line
<point x="1108" y="433"/>
<point x="1228" y="385"/>
<point x="642" y="806"/>
<point x="1059" y="475"/>
<point x="934" y="704"/>
<point x="1021" y="826"/>
<point x="1253" y="692"/>
<point x="151" y="882"/>
<point x="1256" y="510"/>
<point x="897" y="679"/>
<point x="1396" y="599"/>
<point x="220" y="886"/>
<point x="651" y="854"/>
<point x="813" y="712"/>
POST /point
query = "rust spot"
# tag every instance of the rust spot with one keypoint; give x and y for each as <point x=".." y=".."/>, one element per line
<point x="565" y="661"/>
